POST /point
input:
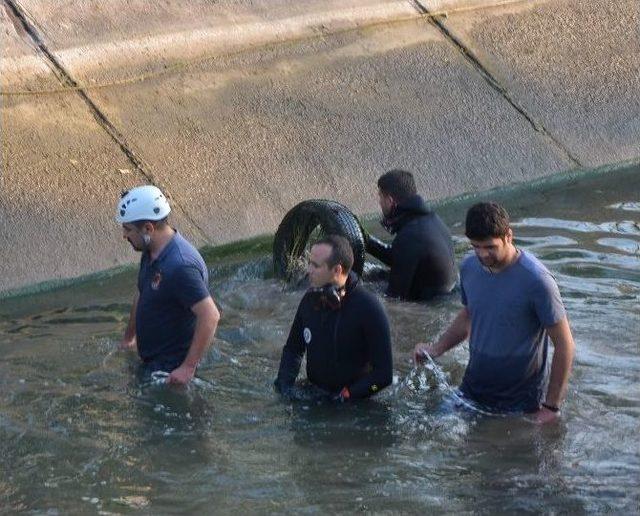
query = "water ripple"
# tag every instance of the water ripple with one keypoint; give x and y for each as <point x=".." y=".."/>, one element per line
<point x="626" y="227"/>
<point x="626" y="206"/>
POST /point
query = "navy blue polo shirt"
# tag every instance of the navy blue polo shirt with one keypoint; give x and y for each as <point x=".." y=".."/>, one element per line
<point x="169" y="286"/>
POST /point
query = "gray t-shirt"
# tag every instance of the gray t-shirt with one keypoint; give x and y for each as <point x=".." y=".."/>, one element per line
<point x="508" y="366"/>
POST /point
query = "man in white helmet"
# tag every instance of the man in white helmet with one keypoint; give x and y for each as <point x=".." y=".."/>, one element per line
<point x="173" y="317"/>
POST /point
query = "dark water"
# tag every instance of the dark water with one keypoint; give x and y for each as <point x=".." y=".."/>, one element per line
<point x="79" y="433"/>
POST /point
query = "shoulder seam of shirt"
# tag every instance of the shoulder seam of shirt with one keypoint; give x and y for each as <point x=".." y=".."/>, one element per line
<point x="533" y="266"/>
<point x="536" y="272"/>
<point x="181" y="260"/>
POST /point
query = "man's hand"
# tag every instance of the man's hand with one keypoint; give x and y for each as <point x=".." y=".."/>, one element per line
<point x="543" y="416"/>
<point x="457" y="331"/>
<point x="127" y="344"/>
<point x="343" y="396"/>
<point x="182" y="375"/>
<point x="421" y="351"/>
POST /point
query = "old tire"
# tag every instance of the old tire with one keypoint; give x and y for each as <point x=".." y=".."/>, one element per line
<point x="297" y="226"/>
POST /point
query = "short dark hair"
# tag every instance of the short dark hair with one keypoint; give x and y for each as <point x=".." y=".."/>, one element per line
<point x="341" y="251"/>
<point x="397" y="183"/>
<point x="486" y="220"/>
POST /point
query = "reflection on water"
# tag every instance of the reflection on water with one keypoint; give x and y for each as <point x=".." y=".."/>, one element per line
<point x="81" y="432"/>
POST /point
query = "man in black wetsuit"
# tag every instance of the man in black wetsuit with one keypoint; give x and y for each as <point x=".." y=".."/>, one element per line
<point x="421" y="255"/>
<point x="341" y="327"/>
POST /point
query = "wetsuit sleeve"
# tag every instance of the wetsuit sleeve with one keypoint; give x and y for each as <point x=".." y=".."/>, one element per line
<point x="378" y="249"/>
<point x="291" y="356"/>
<point x="403" y="270"/>
<point x="378" y="338"/>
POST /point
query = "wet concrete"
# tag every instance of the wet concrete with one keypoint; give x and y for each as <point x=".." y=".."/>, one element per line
<point x="237" y="132"/>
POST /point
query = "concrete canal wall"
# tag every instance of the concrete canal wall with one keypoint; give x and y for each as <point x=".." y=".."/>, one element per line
<point x="239" y="109"/>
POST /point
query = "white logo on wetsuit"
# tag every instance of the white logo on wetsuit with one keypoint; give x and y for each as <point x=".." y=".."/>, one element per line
<point x="307" y="335"/>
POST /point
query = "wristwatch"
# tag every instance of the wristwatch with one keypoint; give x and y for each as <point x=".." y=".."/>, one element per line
<point x="552" y="408"/>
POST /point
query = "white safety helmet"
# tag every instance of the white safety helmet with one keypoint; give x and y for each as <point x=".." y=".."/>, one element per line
<point x="142" y="203"/>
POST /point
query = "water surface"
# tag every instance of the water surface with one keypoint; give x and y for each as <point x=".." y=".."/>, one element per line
<point x="80" y="433"/>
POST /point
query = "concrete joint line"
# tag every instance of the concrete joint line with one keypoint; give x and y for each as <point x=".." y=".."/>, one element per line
<point x="66" y="78"/>
<point x="491" y="80"/>
<point x="236" y="39"/>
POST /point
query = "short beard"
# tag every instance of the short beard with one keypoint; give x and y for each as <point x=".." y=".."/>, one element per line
<point x="135" y="248"/>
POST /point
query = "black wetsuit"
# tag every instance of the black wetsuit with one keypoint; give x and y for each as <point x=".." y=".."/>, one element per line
<point x="346" y="347"/>
<point x="421" y="255"/>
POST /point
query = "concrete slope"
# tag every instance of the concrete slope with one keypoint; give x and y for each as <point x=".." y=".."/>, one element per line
<point x="574" y="67"/>
<point x="120" y="39"/>
<point x="244" y="139"/>
<point x="241" y="109"/>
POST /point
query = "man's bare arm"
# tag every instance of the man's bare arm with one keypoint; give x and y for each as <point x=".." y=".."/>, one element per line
<point x="457" y="332"/>
<point x="564" y="351"/>
<point x="129" y="339"/>
<point x="207" y="317"/>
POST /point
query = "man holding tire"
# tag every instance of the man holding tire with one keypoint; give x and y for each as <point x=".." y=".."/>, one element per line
<point x="341" y="327"/>
<point x="421" y="256"/>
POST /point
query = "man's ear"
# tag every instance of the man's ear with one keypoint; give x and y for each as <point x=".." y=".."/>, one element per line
<point x="508" y="238"/>
<point x="337" y="269"/>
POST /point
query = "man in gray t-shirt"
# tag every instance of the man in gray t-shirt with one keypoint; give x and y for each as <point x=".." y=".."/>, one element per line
<point x="511" y="307"/>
